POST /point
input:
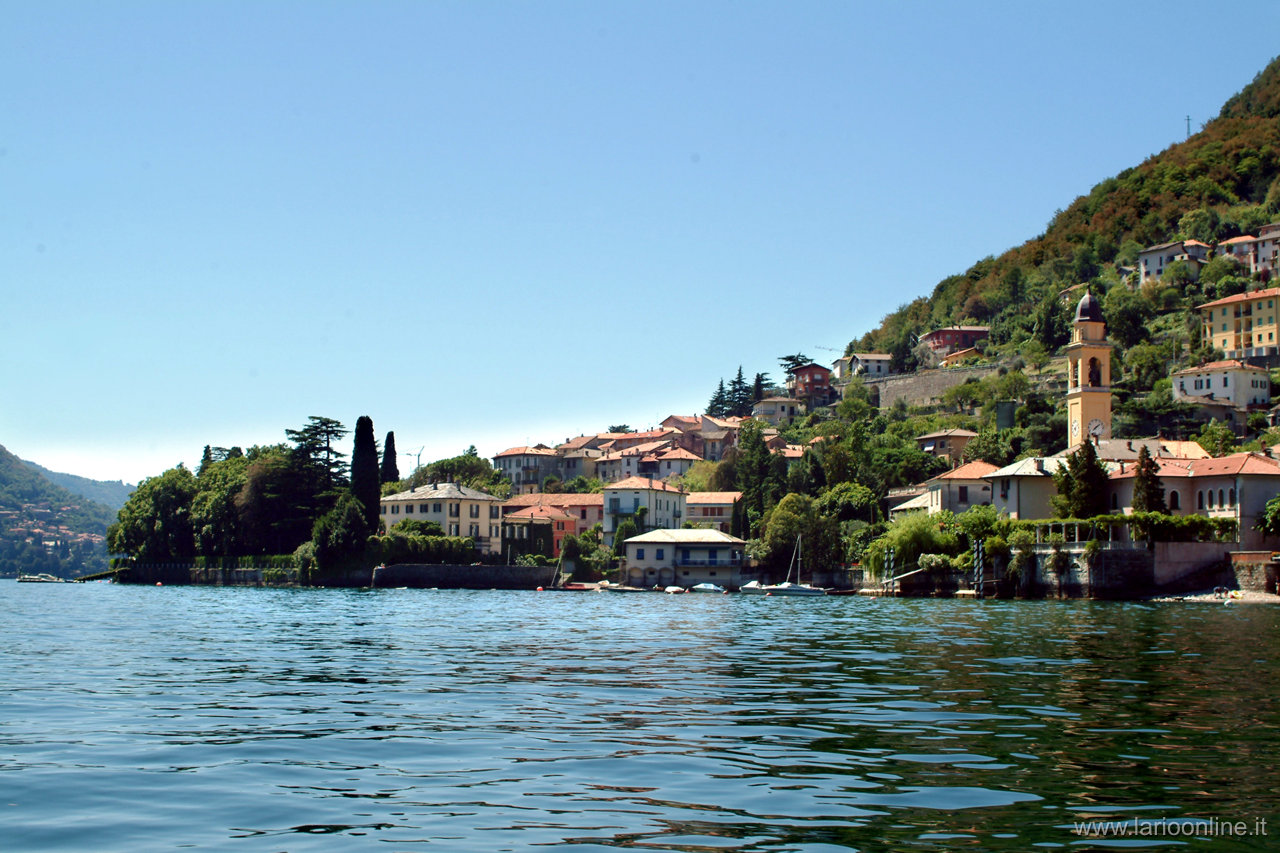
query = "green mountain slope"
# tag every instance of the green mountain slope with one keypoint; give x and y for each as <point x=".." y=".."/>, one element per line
<point x="46" y="528"/>
<point x="109" y="493"/>
<point x="1230" y="170"/>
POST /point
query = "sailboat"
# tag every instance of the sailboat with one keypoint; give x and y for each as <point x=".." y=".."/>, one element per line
<point x="797" y="588"/>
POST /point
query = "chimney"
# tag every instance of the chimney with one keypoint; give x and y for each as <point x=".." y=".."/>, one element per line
<point x="1039" y="465"/>
<point x="1131" y="444"/>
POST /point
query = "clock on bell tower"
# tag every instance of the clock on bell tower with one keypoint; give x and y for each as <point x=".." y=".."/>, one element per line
<point x="1088" y="374"/>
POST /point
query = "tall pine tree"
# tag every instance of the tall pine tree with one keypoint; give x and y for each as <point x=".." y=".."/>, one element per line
<point x="739" y="396"/>
<point x="390" y="471"/>
<point x="718" y="404"/>
<point x="364" y="472"/>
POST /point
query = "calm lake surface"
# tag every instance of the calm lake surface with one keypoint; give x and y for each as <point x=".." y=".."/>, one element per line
<point x="142" y="718"/>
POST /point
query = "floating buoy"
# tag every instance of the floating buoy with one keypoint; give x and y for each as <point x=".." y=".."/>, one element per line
<point x="539" y="589"/>
<point x="159" y="584"/>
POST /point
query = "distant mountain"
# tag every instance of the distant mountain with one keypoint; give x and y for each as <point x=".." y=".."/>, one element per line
<point x="111" y="493"/>
<point x="1222" y="182"/>
<point x="47" y="528"/>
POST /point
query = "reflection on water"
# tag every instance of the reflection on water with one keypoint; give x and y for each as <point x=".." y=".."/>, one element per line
<point x="143" y="718"/>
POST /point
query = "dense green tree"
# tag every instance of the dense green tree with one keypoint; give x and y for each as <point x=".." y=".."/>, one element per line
<point x="365" y="479"/>
<point x="154" y="525"/>
<point x="1148" y="492"/>
<point x="1269" y="521"/>
<point x="315" y="446"/>
<point x="1199" y="224"/>
<point x="340" y="534"/>
<point x="1145" y="364"/>
<point x="1217" y="438"/>
<point x="625" y="530"/>
<point x="793" y="361"/>
<point x="417" y="527"/>
<point x="848" y="502"/>
<point x="1082" y="485"/>
<point x="215" y="517"/>
<point x="1127" y="314"/>
<point x="619" y="428"/>
<point x="390" y="471"/>
<point x="794" y="522"/>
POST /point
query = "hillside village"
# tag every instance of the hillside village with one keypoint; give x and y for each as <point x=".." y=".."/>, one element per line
<point x="1119" y="366"/>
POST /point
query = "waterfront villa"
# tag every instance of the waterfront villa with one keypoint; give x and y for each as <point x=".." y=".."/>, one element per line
<point x="459" y="510"/>
<point x="713" y="510"/>
<point x="685" y="557"/>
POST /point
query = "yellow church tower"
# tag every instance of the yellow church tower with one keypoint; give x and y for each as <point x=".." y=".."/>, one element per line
<point x="1088" y="375"/>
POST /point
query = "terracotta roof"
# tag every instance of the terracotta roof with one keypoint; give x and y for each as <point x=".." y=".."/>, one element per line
<point x="540" y="512"/>
<point x="559" y="499"/>
<point x="1242" y="297"/>
<point x="1236" y="464"/>
<point x="1243" y="238"/>
<point x="1228" y="364"/>
<point x="948" y="433"/>
<point x="537" y="450"/>
<point x="577" y="443"/>
<point x="680" y="453"/>
<point x="641" y="483"/>
<point x="975" y="470"/>
<point x="713" y="497"/>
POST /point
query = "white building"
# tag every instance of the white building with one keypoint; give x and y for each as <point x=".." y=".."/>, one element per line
<point x="526" y="467"/>
<point x="1153" y="260"/>
<point x="664" y="505"/>
<point x="1234" y="382"/>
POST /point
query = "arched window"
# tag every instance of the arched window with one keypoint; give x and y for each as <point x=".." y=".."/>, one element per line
<point x="1200" y="499"/>
<point x="1221" y="502"/>
<point x="1211" y="499"/>
<point x="1231" y="496"/>
<point x="1115" y="501"/>
<point x="1174" y="502"/>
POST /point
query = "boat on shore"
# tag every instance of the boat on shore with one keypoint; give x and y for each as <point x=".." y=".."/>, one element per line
<point x="43" y="577"/>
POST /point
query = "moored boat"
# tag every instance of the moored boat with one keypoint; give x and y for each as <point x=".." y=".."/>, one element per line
<point x="707" y="587"/>
<point x="43" y="577"/>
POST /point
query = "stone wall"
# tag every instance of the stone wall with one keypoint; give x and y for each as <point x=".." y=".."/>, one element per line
<point x="1254" y="571"/>
<point x="925" y="387"/>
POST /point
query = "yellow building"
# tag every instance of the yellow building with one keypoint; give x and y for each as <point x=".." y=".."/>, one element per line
<point x="1243" y="325"/>
<point x="1088" y="375"/>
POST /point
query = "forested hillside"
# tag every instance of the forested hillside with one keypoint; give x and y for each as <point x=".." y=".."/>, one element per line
<point x="1222" y="182"/>
<point x="46" y="528"/>
<point x="109" y="493"/>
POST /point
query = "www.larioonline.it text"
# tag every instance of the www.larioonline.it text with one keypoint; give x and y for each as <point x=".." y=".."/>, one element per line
<point x="1187" y="827"/>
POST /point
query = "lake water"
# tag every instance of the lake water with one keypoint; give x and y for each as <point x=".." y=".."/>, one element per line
<point x="143" y="718"/>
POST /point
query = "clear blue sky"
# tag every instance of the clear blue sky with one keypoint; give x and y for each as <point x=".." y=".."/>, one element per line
<point x="504" y="223"/>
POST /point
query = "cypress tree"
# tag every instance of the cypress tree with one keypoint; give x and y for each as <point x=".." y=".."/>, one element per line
<point x="364" y="471"/>
<point x="390" y="472"/>
<point x="739" y="396"/>
<point x="1148" y="496"/>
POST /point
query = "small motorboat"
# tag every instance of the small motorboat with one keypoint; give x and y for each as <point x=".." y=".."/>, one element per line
<point x="673" y="590"/>
<point x="752" y="588"/>
<point x="707" y="587"/>
<point x="43" y="577"/>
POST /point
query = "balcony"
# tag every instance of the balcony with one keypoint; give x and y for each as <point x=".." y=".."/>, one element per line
<point x="737" y="561"/>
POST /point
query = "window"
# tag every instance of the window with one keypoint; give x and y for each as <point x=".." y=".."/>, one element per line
<point x="1200" y="499"/>
<point x="712" y="553"/>
<point x="408" y="509"/>
<point x="453" y="530"/>
<point x="1231" y="496"/>
<point x="424" y="508"/>
<point x="1211" y="499"/>
<point x="1221" y="502"/>
<point x="559" y="525"/>
<point x="1174" y="502"/>
<point x="435" y="507"/>
<point x="494" y="511"/>
<point x="395" y="509"/>
<point x="658" y="553"/>
<point x="964" y="494"/>
<point x="473" y="530"/>
<point x="493" y="531"/>
<point x="1115" y="501"/>
<point x="475" y="510"/>
<point x="584" y="514"/>
<point x="639" y="553"/>
<point x="455" y="510"/>
<point x="384" y="509"/>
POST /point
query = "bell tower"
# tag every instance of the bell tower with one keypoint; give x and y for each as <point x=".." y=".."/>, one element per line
<point x="1088" y="375"/>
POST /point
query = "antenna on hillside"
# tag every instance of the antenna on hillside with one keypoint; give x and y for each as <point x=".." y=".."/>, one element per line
<point x="417" y="453"/>
<point x="1188" y="127"/>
